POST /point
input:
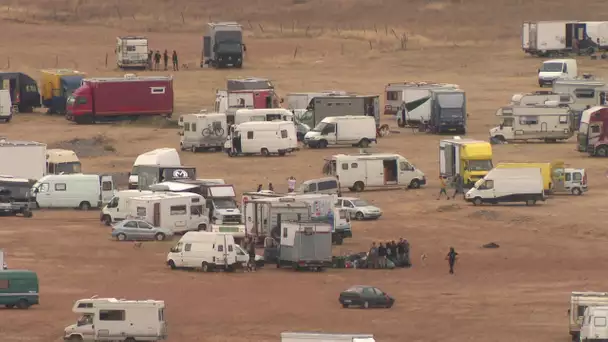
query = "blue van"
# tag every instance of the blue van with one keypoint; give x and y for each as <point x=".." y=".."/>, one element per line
<point x="18" y="288"/>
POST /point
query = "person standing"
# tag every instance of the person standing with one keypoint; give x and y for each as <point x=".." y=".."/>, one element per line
<point x="251" y="251"/>
<point x="381" y="256"/>
<point x="270" y="187"/>
<point x="443" y="188"/>
<point x="373" y="256"/>
<point x="406" y="249"/>
<point x="291" y="184"/>
<point x="150" y="55"/>
<point x="175" y="63"/>
<point x="451" y="258"/>
<point x="259" y="188"/>
<point x="401" y="252"/>
<point x="394" y="254"/>
<point x="157" y="60"/>
<point x="458" y="186"/>
<point x="166" y="58"/>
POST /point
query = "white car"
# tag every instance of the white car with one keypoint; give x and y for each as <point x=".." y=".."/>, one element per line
<point x="358" y="208"/>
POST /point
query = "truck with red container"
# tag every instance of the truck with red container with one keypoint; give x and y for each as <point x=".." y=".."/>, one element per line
<point x="113" y="98"/>
<point x="593" y="131"/>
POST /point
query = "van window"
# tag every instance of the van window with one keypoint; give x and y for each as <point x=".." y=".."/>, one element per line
<point x="563" y="119"/>
<point x="111" y="315"/>
<point x="249" y="135"/>
<point x="284" y="134"/>
<point x="186" y="126"/>
<point x="187" y="247"/>
<point x="161" y="315"/>
<point x="583" y="93"/>
<point x="354" y="165"/>
<point x="141" y="211"/>
<point x="312" y="187"/>
<point x="577" y="176"/>
<point x="568" y="177"/>
<point x="178" y="210"/>
<point x="230" y="249"/>
<point x="106" y="186"/>
<point x="193" y="127"/>
<point x="405" y="166"/>
<point x="220" y="248"/>
<point x="392" y="96"/>
<point x="4" y="284"/>
<point x="113" y="202"/>
<point x="595" y="129"/>
<point x="196" y="209"/>
<point x="488" y="185"/>
<point x="284" y="232"/>
<point x="60" y="187"/>
<point x="344" y="166"/>
<point x="85" y="305"/>
<point x="581" y="310"/>
<point x="328" y="185"/>
<point x="528" y="120"/>
<point x="44" y="187"/>
<point x="599" y="321"/>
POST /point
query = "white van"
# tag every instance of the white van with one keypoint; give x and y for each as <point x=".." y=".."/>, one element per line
<point x="508" y="185"/>
<point x="208" y="251"/>
<point x="342" y="130"/>
<point x="117" y="209"/>
<point x="161" y="157"/>
<point x="357" y="172"/>
<point x="64" y="162"/>
<point x="206" y="131"/>
<point x="553" y="69"/>
<point x="595" y="324"/>
<point x="6" y="105"/>
<point x="73" y="191"/>
<point x="265" y="138"/>
<point x="179" y="212"/>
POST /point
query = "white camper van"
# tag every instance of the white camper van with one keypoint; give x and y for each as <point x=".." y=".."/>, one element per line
<point x="373" y="170"/>
<point x="6" y="105"/>
<point x="203" y="131"/>
<point x="538" y="122"/>
<point x="342" y="130"/>
<point x="240" y="116"/>
<point x="579" y="302"/>
<point x="180" y="212"/>
<point x="161" y="157"/>
<point x="553" y="69"/>
<point x="595" y="324"/>
<point x="208" y="251"/>
<point x="73" y="191"/>
<point x="62" y="162"/>
<point x="265" y="138"/>
<point x="117" y="209"/>
<point x="123" y="320"/>
<point x="508" y="185"/>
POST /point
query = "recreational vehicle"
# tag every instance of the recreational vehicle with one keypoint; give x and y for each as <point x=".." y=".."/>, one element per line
<point x="356" y="105"/>
<point x="265" y="138"/>
<point x="203" y="131"/>
<point x="539" y="122"/>
<point x="263" y="216"/>
<point x="160" y="156"/>
<point x="586" y="92"/>
<point x="595" y="324"/>
<point x="357" y="172"/>
<point x="180" y="212"/>
<point x="297" y="101"/>
<point x="397" y="94"/>
<point x="541" y="98"/>
<point x="117" y="209"/>
<point x="238" y="116"/>
<point x="579" y="302"/>
<point x="73" y="191"/>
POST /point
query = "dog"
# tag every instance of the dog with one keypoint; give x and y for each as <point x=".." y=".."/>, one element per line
<point x="185" y="66"/>
<point x="423" y="258"/>
<point x="137" y="244"/>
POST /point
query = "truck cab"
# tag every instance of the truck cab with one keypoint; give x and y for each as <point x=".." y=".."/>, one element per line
<point x="223" y="45"/>
<point x="471" y="159"/>
<point x="62" y="162"/>
<point x="79" y="105"/>
<point x="592" y="133"/>
<point x="553" y="69"/>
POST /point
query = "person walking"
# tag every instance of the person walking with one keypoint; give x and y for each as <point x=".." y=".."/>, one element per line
<point x="166" y="58"/>
<point x="451" y="258"/>
<point x="443" y="188"/>
<point x="175" y="63"/>
<point x="291" y="184"/>
<point x="157" y="60"/>
<point x="458" y="186"/>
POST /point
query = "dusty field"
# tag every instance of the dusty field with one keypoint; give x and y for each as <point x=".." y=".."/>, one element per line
<point x="518" y="292"/>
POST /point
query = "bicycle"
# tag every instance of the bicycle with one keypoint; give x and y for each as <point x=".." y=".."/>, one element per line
<point x="210" y="130"/>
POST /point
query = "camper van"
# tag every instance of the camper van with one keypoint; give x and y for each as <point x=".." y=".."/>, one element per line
<point x="342" y="130"/>
<point x="265" y="138"/>
<point x="203" y="131"/>
<point x="340" y="105"/>
<point x="508" y="185"/>
<point x="124" y="320"/>
<point x="553" y="69"/>
<point x="117" y="209"/>
<point x="373" y="170"/>
<point x="73" y="191"/>
<point x="539" y="122"/>
<point x="579" y="303"/>
<point x="263" y="216"/>
<point x="62" y="162"/>
<point x="398" y="94"/>
<point x="161" y="157"/>
<point x="179" y="212"/>
<point x="595" y="324"/>
<point x="541" y="98"/>
<point x="586" y="91"/>
<point x="207" y="251"/>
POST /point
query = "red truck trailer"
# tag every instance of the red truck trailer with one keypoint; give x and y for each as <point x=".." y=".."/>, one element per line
<point x="593" y="132"/>
<point x="105" y="99"/>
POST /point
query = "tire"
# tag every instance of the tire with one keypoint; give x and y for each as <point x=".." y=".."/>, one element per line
<point x="415" y="184"/>
<point x="10" y="306"/>
<point x="359" y="216"/>
<point x="202" y="227"/>
<point x="206" y="132"/>
<point x="339" y="240"/>
<point x="84" y="206"/>
<point x="364" y="143"/>
<point x="400" y="123"/>
<point x="322" y="144"/>
<point x="365" y="305"/>
<point x="530" y="202"/>
<point x="22" y="304"/>
<point x="358" y="186"/>
<point x="477" y="201"/>
<point x="577" y="191"/>
<point x="219" y="132"/>
<point x="282" y="153"/>
<point x="193" y="149"/>
<point x="390" y="305"/>
<point x="500" y="138"/>
<point x="159" y="237"/>
<point x="172" y="265"/>
<point x="27" y="214"/>
<point x="602" y="151"/>
<point x="205" y="267"/>
<point x="107" y="220"/>
<point x="265" y="152"/>
<point x="121" y="237"/>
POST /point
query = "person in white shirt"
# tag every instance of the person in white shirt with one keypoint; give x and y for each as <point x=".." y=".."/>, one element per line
<point x="291" y="184"/>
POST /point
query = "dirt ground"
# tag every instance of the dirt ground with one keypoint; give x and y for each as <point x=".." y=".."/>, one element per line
<point x="519" y="292"/>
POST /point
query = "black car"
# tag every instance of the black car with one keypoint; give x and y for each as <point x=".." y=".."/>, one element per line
<point x="365" y="297"/>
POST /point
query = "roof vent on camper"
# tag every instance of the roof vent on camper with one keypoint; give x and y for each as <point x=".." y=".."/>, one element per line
<point x="159" y="187"/>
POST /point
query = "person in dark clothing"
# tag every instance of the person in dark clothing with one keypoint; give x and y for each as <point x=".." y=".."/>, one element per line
<point x="157" y="60"/>
<point x="270" y="187"/>
<point x="175" y="63"/>
<point x="406" y="248"/>
<point x="401" y="252"/>
<point x="259" y="188"/>
<point x="394" y="255"/>
<point x="458" y="186"/>
<point x="150" y="55"/>
<point x="166" y="58"/>
<point x="382" y="256"/>
<point x="251" y="251"/>
<point x="451" y="258"/>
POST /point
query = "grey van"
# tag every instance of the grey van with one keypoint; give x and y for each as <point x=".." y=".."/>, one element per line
<point x="327" y="185"/>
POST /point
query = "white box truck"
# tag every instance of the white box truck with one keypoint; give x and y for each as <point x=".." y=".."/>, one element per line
<point x="508" y="185"/>
<point x="342" y="130"/>
<point x="132" y="52"/>
<point x="22" y="159"/>
<point x="319" y="337"/>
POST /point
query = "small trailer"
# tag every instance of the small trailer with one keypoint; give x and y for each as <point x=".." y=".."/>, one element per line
<point x="305" y="245"/>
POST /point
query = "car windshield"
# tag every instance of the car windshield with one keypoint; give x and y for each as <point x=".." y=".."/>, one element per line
<point x="229" y="47"/>
<point x="360" y="203"/>
<point x="67" y="168"/>
<point x="319" y="127"/>
<point x="224" y="203"/>
<point x="479" y="165"/>
<point x="551" y="67"/>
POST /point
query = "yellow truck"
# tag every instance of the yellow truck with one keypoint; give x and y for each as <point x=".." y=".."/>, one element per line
<point x="471" y="159"/>
<point x="553" y="173"/>
<point x="56" y="85"/>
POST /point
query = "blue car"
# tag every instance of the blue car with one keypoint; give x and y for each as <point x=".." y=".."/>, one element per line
<point x="133" y="229"/>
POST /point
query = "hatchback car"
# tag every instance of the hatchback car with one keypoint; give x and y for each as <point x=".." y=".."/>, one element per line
<point x="358" y="208"/>
<point x="365" y="297"/>
<point x="139" y="230"/>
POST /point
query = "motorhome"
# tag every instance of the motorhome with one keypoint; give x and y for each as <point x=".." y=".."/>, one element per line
<point x="203" y="131"/>
<point x="342" y="130"/>
<point x="553" y="69"/>
<point x="595" y="324"/>
<point x="19" y="287"/>
<point x="305" y="245"/>
<point x="326" y="106"/>
<point x="249" y="98"/>
<point x="73" y="191"/>
<point x="542" y="97"/>
<point x="179" y="212"/>
<point x="149" y="175"/>
<point x="60" y="161"/>
<point x="265" y="138"/>
<point x="22" y="159"/>
<point x="592" y="136"/>
<point x="549" y="123"/>
<point x="119" y="319"/>
<point x="117" y="208"/>
<point x="263" y="217"/>
<point x="585" y="91"/>
<point x="508" y="185"/>
<point x="207" y="251"/>
<point x="471" y="159"/>
<point x="357" y="172"/>
<point x="400" y="93"/>
<point x="132" y="52"/>
<point x="161" y="156"/>
<point x="579" y="302"/>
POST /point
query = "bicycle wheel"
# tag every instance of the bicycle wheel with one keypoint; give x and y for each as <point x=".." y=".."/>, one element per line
<point x="206" y="132"/>
<point x="219" y="131"/>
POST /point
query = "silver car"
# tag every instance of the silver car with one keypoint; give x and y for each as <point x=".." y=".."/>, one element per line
<point x="358" y="209"/>
<point x="134" y="229"/>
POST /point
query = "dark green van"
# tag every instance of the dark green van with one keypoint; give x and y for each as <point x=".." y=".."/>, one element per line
<point x="18" y="288"/>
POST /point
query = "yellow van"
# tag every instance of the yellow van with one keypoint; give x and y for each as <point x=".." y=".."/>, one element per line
<point x="549" y="171"/>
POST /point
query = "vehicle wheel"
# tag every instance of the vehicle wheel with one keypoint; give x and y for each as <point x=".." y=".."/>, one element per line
<point x="477" y="201"/>
<point x="359" y="216"/>
<point x="358" y="186"/>
<point x="27" y="214"/>
<point x="159" y="236"/>
<point x="121" y="237"/>
<point x="500" y="139"/>
<point x="202" y="227"/>
<point x="172" y="264"/>
<point x="602" y="151"/>
<point x="75" y="338"/>
<point x="530" y="202"/>
<point x="577" y="191"/>
<point x="193" y="149"/>
<point x="364" y="143"/>
<point x="365" y="305"/>
<point x="85" y="206"/>
<point x="205" y="267"/>
<point x="107" y="220"/>
<point x="265" y="152"/>
<point x="400" y="123"/>
<point x="390" y="305"/>
<point x="322" y="144"/>
<point x="415" y="184"/>
<point x="22" y="304"/>
<point x="345" y="306"/>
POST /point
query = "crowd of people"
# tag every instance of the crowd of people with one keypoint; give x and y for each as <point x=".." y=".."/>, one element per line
<point x="154" y="60"/>
<point x="397" y="253"/>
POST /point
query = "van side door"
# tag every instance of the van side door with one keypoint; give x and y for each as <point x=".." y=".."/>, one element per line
<point x="107" y="189"/>
<point x="43" y="196"/>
